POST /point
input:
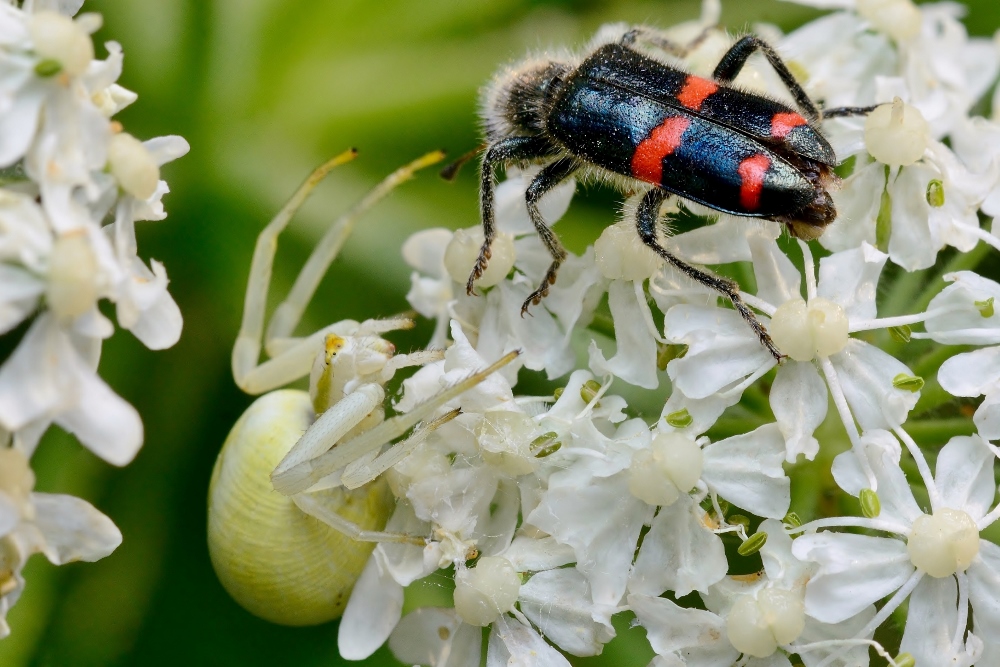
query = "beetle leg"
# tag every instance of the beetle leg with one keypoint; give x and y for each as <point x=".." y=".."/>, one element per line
<point x="647" y="215"/>
<point x="736" y="57"/>
<point x="654" y="37"/>
<point x="840" y="112"/>
<point x="503" y="151"/>
<point x="548" y="178"/>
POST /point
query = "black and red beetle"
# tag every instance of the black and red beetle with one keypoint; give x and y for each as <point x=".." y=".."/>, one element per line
<point x="625" y="114"/>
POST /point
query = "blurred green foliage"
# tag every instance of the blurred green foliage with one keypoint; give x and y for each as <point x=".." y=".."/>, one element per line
<point x="264" y="90"/>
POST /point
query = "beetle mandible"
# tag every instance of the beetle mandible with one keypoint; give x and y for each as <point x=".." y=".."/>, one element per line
<point x="619" y="112"/>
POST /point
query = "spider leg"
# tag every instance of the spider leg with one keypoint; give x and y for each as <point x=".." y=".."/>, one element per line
<point x="331" y="426"/>
<point x="362" y="470"/>
<point x="325" y="509"/>
<point x="246" y="351"/>
<point x="299" y="477"/>
<point x="293" y="361"/>
<point x="288" y="314"/>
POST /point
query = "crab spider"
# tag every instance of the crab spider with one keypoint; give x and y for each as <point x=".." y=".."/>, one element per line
<point x="295" y="502"/>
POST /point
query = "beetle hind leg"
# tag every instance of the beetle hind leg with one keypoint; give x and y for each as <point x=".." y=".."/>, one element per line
<point x="548" y="178"/>
<point x="646" y="216"/>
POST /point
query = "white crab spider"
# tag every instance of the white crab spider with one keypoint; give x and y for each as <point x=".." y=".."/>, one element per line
<point x="290" y="553"/>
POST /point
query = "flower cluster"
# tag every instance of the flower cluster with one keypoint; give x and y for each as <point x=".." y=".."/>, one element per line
<point x="72" y="186"/>
<point x="555" y="513"/>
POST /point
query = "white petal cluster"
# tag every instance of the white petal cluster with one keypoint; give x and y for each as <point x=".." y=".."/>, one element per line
<point x="666" y="476"/>
<point x="73" y="184"/>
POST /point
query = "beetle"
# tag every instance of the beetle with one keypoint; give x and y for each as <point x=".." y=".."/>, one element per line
<point x="623" y="114"/>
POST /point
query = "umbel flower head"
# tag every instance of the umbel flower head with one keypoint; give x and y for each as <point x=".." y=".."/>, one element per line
<point x="73" y="184"/>
<point x="743" y="510"/>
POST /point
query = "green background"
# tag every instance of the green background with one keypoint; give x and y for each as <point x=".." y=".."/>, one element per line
<point x="264" y="90"/>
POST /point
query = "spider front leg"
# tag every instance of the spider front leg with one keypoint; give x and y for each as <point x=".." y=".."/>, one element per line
<point x="291" y="359"/>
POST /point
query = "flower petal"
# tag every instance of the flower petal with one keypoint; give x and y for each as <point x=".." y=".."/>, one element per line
<point x="74" y="529"/>
<point x="374" y="609"/>
<point x="866" y="375"/>
<point x="984" y="589"/>
<point x="435" y="636"/>
<point x="930" y="621"/>
<point x="746" y="470"/>
<point x="799" y="401"/>
<point x="854" y="572"/>
<point x="513" y="644"/>
<point x="850" y="278"/>
<point x="971" y="373"/>
<point x="559" y="603"/>
<point x="964" y="475"/>
<point x="635" y="359"/>
<point x="679" y="553"/>
<point x="601" y="521"/>
<point x="699" y="635"/>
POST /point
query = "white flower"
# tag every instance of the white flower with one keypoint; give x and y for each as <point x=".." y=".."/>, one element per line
<point x="924" y="553"/>
<point x="51" y="377"/>
<point x="724" y="356"/>
<point x="64" y="528"/>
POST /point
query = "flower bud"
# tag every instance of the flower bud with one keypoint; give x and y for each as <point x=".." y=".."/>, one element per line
<point x="943" y="543"/>
<point x="132" y="164"/>
<point x="485" y="591"/>
<point x="505" y="438"/>
<point x="60" y="39"/>
<point x="805" y="331"/>
<point x="900" y="19"/>
<point x="74" y="281"/>
<point x="463" y="251"/>
<point x="671" y="466"/>
<point x="621" y="254"/>
<point x="896" y="134"/>
<point x="758" y="625"/>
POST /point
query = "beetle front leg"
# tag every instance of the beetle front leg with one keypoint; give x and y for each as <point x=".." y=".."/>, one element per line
<point x="548" y="178"/>
<point x="736" y="58"/>
<point x="503" y="151"/>
<point x="646" y="216"/>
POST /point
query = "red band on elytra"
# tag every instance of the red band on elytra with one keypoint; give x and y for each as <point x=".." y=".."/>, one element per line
<point x="783" y="123"/>
<point x="647" y="161"/>
<point x="752" y="171"/>
<point x="695" y="91"/>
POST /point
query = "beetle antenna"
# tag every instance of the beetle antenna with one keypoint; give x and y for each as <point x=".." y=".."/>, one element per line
<point x="450" y="172"/>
